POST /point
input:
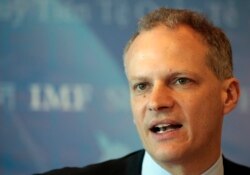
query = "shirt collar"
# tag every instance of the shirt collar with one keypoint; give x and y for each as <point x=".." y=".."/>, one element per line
<point x="149" y="167"/>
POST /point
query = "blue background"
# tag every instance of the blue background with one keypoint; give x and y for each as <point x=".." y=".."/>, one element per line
<point x="64" y="98"/>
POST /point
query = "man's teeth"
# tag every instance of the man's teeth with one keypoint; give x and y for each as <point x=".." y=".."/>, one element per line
<point x="161" y="128"/>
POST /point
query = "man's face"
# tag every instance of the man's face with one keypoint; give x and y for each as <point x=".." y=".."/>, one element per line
<point x="177" y="101"/>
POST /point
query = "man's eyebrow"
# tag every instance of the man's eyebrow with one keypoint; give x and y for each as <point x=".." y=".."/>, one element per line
<point x="138" y="78"/>
<point x="166" y="76"/>
<point x="179" y="73"/>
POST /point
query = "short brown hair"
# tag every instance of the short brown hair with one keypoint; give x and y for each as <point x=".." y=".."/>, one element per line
<point x="219" y="48"/>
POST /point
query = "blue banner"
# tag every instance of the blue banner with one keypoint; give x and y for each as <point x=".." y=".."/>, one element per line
<point x="64" y="97"/>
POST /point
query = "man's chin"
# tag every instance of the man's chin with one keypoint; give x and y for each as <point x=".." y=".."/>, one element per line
<point x="166" y="155"/>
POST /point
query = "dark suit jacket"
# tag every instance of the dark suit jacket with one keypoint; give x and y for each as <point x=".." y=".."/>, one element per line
<point x="131" y="165"/>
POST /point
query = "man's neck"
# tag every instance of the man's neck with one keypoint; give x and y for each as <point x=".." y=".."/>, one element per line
<point x="197" y="163"/>
<point x="149" y="166"/>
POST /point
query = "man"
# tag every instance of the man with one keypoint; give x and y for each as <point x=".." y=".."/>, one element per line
<point x="180" y="74"/>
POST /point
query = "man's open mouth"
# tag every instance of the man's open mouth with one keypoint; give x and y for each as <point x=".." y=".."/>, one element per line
<point x="161" y="128"/>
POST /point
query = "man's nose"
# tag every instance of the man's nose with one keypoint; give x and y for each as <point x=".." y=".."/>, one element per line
<point x="161" y="98"/>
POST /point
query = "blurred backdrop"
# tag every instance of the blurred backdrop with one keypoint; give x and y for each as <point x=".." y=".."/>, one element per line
<point x="64" y="98"/>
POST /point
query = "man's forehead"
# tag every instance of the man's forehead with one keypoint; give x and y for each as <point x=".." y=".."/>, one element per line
<point x="161" y="31"/>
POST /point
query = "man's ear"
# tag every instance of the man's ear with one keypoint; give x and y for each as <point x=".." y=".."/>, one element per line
<point x="231" y="90"/>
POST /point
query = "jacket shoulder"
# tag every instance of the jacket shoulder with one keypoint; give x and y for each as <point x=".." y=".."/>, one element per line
<point x="231" y="167"/>
<point x="129" y="164"/>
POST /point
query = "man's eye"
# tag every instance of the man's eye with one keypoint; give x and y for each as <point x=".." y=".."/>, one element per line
<point x="182" y="81"/>
<point x="140" y="86"/>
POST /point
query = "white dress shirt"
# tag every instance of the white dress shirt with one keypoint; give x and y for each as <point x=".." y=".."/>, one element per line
<point x="150" y="167"/>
